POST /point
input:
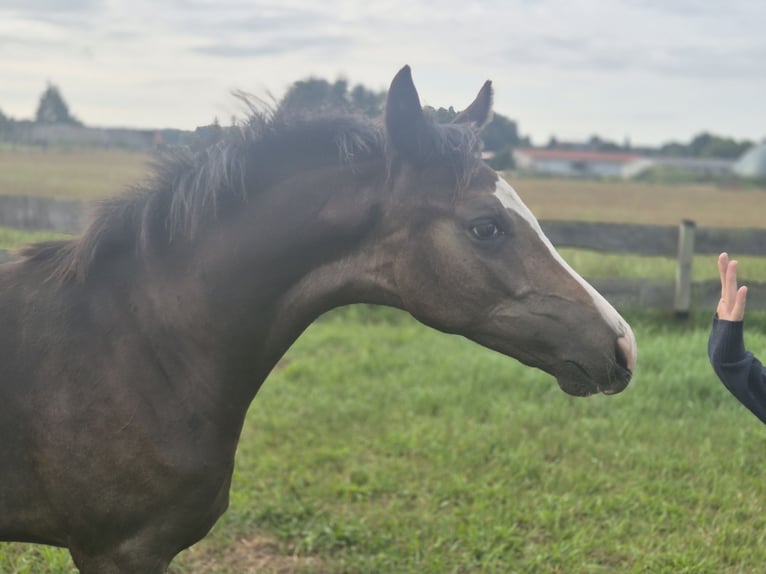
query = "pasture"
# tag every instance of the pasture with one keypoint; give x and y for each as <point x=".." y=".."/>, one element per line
<point x="63" y="172"/>
<point x="378" y="445"/>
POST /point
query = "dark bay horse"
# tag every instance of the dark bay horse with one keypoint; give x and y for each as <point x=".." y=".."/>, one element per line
<point x="129" y="356"/>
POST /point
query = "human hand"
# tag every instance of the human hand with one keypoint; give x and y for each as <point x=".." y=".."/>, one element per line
<point x="731" y="307"/>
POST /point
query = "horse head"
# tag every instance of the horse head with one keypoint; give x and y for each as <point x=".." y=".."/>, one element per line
<point x="472" y="259"/>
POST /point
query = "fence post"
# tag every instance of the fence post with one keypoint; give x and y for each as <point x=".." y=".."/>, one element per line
<point x="683" y="292"/>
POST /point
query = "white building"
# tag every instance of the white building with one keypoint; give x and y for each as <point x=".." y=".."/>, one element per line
<point x="578" y="163"/>
<point x="752" y="163"/>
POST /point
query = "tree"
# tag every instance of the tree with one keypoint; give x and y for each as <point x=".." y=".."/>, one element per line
<point x="52" y="108"/>
<point x="597" y="143"/>
<point x="314" y="94"/>
<point x="699" y="143"/>
<point x="674" y="149"/>
<point x="5" y="122"/>
<point x="500" y="133"/>
<point x="442" y="115"/>
<point x="503" y="159"/>
<point x="368" y="102"/>
<point x="707" y="145"/>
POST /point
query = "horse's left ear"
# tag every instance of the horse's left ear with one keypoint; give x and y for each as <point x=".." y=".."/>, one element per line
<point x="480" y="111"/>
<point x="406" y="126"/>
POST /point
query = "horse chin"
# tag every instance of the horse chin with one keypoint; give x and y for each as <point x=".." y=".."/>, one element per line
<point x="577" y="388"/>
<point x="574" y="380"/>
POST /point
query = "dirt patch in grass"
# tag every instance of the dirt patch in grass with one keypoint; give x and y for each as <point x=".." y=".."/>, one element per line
<point x="254" y="555"/>
<point x="281" y="364"/>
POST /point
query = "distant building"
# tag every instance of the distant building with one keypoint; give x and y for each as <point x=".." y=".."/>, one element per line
<point x="588" y="163"/>
<point x="32" y="133"/>
<point x="752" y="164"/>
<point x="577" y="163"/>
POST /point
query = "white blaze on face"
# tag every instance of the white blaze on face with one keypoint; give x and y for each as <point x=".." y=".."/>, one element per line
<point x="511" y="200"/>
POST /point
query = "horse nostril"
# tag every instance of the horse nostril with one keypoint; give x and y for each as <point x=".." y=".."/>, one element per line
<point x="624" y="354"/>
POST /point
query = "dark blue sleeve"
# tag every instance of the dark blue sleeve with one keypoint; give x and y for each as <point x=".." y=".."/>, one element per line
<point x="737" y="368"/>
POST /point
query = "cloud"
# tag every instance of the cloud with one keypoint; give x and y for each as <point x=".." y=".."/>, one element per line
<point x="49" y="6"/>
<point x="726" y="62"/>
<point x="548" y="57"/>
<point x="252" y="16"/>
<point x="26" y="43"/>
<point x="271" y="47"/>
<point x="64" y="14"/>
<point x="676" y="38"/>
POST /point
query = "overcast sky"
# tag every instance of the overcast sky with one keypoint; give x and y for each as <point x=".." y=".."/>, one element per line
<point x="650" y="70"/>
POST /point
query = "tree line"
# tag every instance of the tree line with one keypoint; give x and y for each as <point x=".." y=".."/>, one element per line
<point x="703" y="145"/>
<point x="500" y="136"/>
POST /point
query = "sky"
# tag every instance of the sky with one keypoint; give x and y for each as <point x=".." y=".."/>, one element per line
<point x="649" y="71"/>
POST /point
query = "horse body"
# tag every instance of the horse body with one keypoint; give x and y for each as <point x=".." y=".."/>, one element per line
<point x="130" y="356"/>
<point x="106" y="434"/>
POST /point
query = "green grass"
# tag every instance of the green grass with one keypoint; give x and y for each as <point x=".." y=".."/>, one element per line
<point x="383" y="446"/>
<point x="634" y="202"/>
<point x="80" y="173"/>
<point x="14" y="238"/>
<point x="386" y="447"/>
<point x="595" y="264"/>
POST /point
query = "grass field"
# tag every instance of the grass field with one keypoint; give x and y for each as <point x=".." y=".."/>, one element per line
<point x="77" y="173"/>
<point x="380" y="446"/>
<point x="629" y="202"/>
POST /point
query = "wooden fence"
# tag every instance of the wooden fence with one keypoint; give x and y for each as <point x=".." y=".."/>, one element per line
<point x="679" y="242"/>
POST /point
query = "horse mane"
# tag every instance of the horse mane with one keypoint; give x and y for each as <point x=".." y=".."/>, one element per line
<point x="188" y="188"/>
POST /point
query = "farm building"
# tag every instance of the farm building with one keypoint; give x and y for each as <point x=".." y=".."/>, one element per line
<point x="588" y="163"/>
<point x="33" y="133"/>
<point x="577" y="163"/>
<point x="752" y="163"/>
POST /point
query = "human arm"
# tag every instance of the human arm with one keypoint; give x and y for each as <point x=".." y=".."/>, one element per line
<point x="740" y="371"/>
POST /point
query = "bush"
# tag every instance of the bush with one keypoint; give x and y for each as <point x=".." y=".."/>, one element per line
<point x="502" y="160"/>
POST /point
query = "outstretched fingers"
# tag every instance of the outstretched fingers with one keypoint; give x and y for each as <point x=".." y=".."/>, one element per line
<point x="731" y="306"/>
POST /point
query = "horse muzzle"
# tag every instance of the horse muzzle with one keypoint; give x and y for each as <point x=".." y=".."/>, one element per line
<point x="580" y="380"/>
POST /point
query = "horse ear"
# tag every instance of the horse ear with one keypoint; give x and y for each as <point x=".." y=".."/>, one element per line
<point x="480" y="111"/>
<point x="405" y="121"/>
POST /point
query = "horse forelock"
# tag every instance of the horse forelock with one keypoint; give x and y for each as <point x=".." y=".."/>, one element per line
<point x="186" y="190"/>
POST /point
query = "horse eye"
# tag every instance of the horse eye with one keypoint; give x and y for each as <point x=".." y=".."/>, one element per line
<point x="486" y="230"/>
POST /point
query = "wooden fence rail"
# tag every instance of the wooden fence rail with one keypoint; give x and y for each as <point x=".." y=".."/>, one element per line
<point x="653" y="239"/>
<point x="42" y="214"/>
<point x="679" y="242"/>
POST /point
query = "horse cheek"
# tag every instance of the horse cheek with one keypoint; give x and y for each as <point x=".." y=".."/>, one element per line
<point x="437" y="283"/>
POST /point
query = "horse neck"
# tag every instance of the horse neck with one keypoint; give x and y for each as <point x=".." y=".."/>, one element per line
<point x="293" y="252"/>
